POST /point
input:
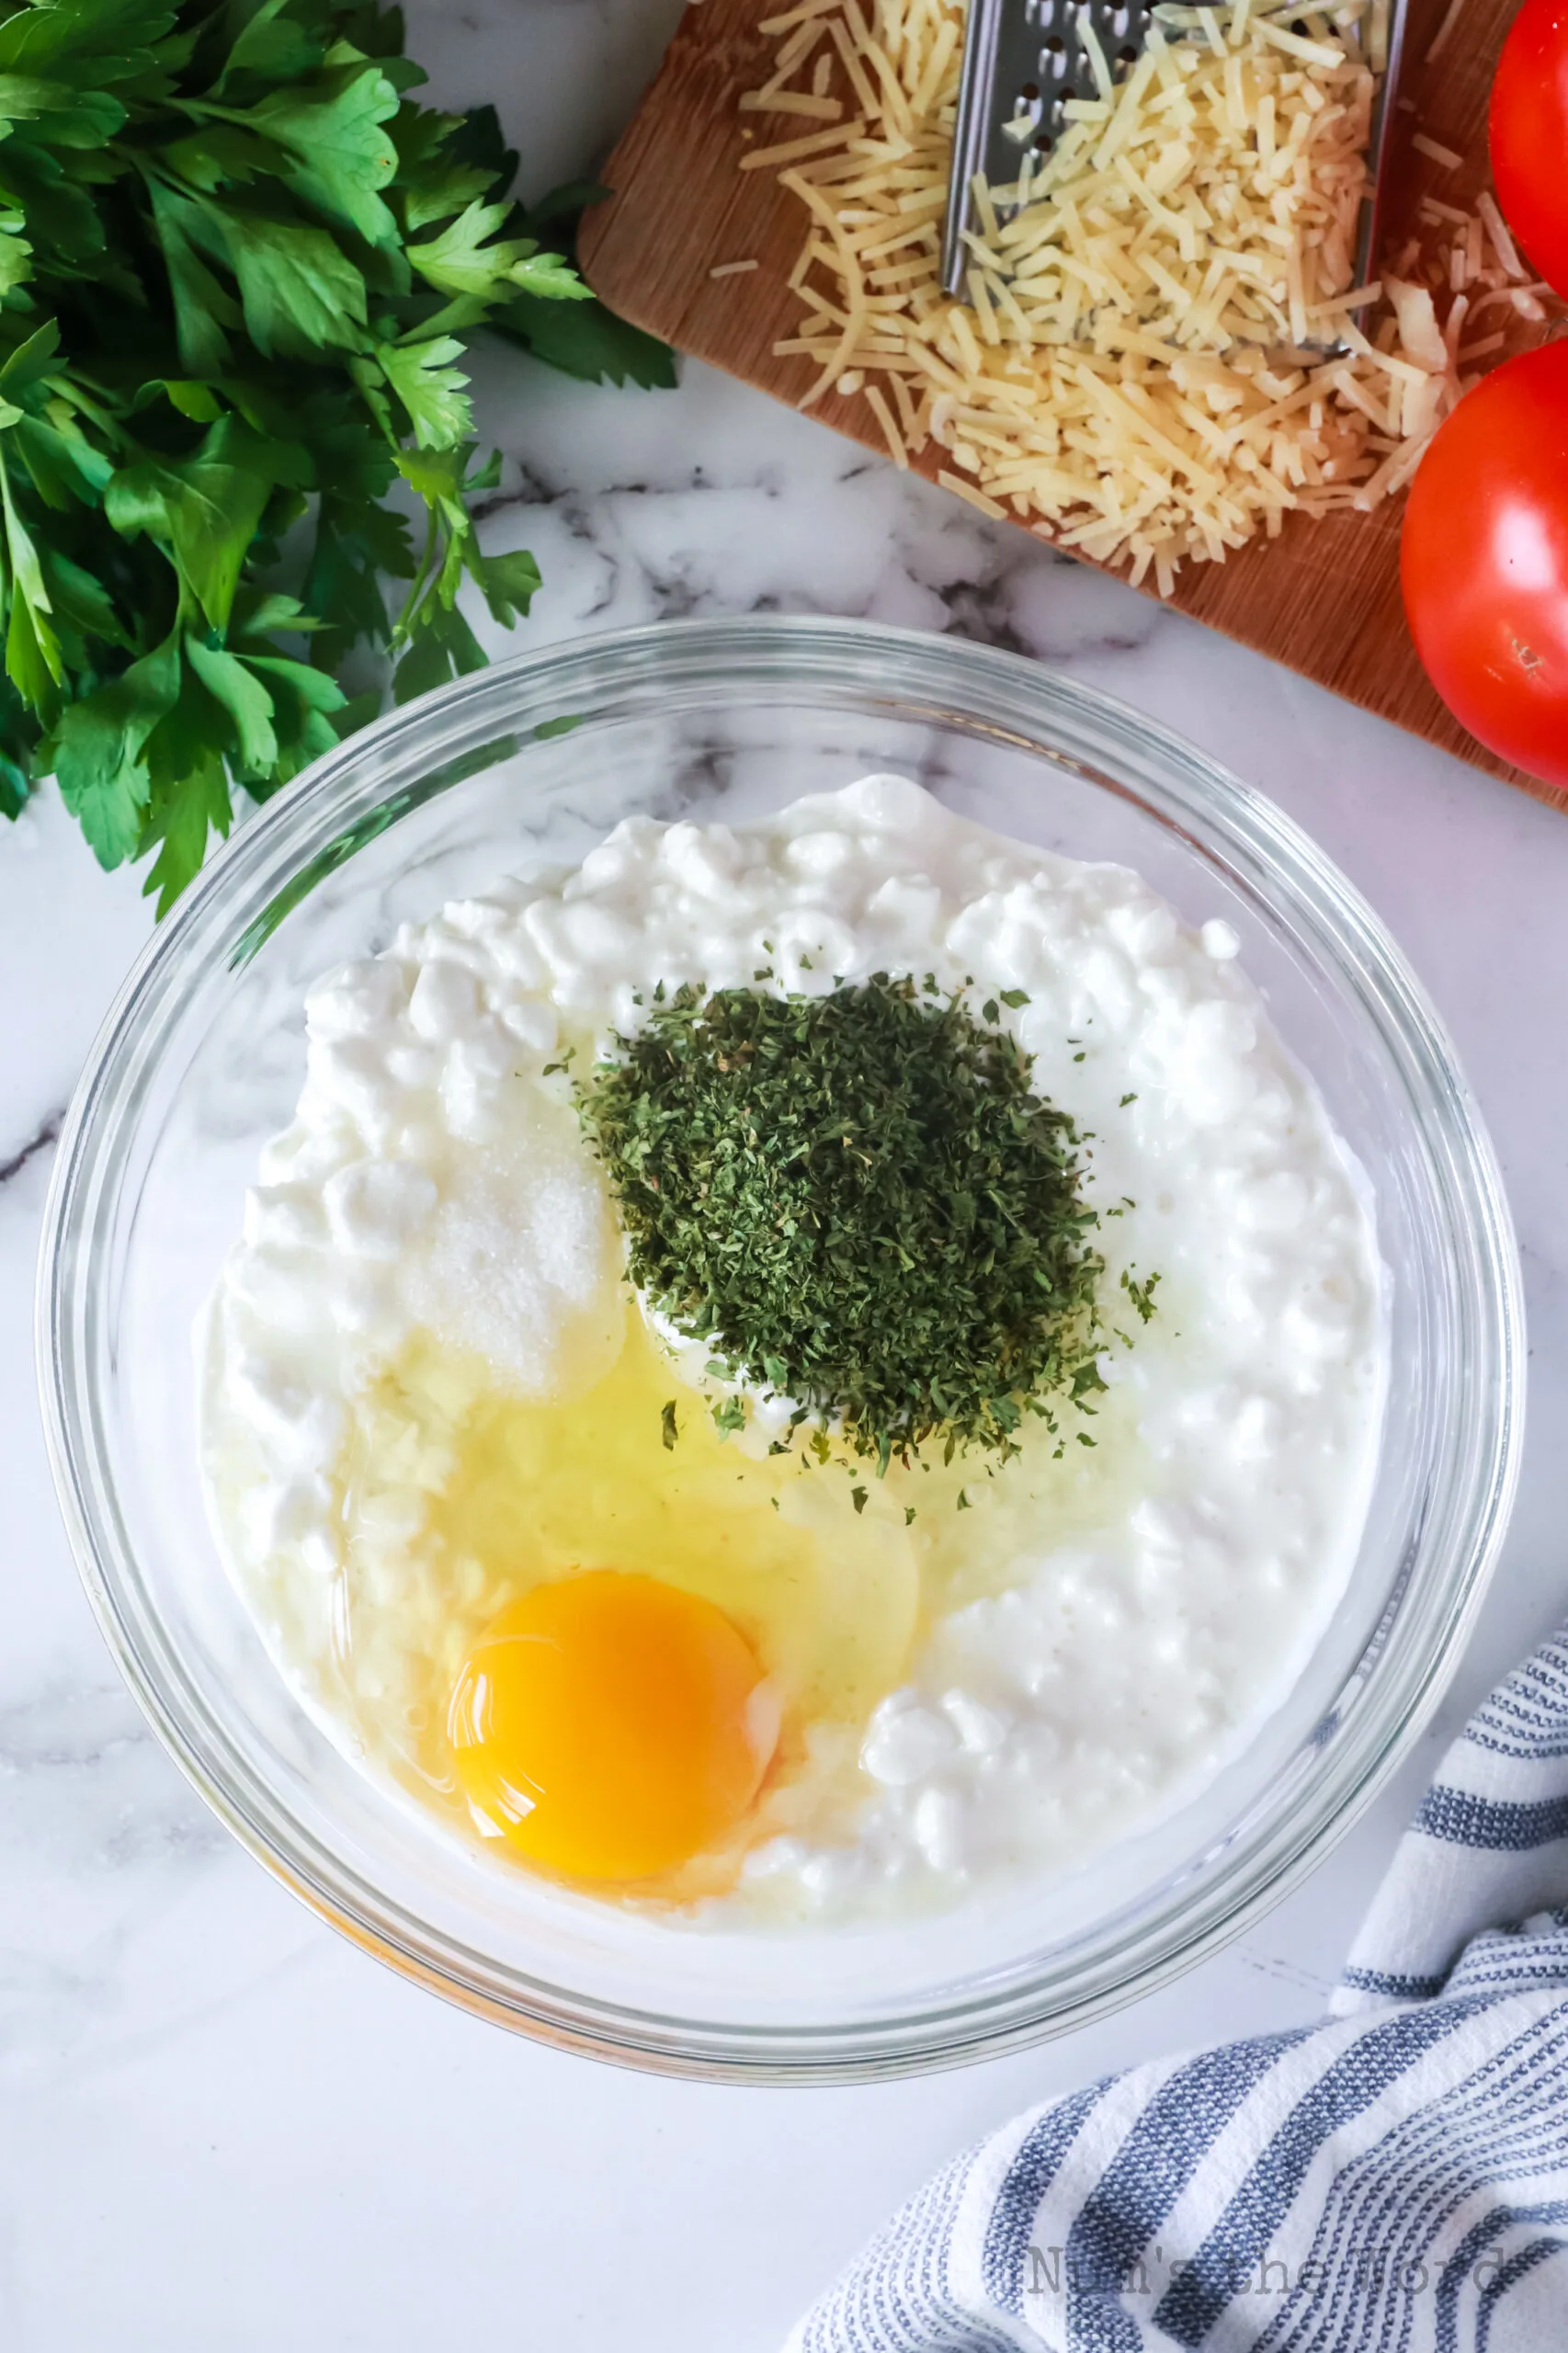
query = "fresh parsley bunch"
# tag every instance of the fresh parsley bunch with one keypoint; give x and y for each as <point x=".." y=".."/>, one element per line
<point x="237" y="266"/>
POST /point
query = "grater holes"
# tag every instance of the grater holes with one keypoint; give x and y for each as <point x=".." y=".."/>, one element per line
<point x="1028" y="111"/>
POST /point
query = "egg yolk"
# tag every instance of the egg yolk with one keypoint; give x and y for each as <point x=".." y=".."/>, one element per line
<point x="610" y="1726"/>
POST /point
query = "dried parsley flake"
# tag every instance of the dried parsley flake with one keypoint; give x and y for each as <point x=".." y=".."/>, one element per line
<point x="856" y="1198"/>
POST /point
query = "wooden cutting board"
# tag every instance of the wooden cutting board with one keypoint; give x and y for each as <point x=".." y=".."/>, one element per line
<point x="1324" y="597"/>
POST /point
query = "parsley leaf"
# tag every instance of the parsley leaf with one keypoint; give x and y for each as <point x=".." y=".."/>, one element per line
<point x="341" y="154"/>
<point x="434" y="393"/>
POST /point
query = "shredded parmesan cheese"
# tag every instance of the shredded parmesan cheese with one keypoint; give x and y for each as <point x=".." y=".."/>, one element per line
<point x="791" y="150"/>
<point x="975" y="497"/>
<point x="1503" y="244"/>
<point x="1159" y="359"/>
<point x="1440" y="38"/>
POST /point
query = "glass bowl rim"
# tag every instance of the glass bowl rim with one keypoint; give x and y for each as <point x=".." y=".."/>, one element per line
<point x="1011" y="698"/>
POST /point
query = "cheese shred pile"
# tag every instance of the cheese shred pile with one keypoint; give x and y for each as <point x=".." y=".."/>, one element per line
<point x="1163" y="353"/>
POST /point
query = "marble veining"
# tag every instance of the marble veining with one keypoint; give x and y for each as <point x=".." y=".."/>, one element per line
<point x="44" y="1138"/>
<point x="227" y="2131"/>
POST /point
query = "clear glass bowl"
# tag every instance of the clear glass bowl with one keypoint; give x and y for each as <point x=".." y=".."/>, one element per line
<point x="528" y="765"/>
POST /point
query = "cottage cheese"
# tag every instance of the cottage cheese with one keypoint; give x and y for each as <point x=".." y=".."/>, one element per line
<point x="1080" y="1647"/>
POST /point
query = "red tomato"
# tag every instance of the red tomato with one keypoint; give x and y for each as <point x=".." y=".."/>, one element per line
<point x="1483" y="562"/>
<point x="1528" y="132"/>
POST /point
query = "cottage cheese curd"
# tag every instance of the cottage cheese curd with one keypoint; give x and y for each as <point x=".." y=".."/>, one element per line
<point x="426" y="1387"/>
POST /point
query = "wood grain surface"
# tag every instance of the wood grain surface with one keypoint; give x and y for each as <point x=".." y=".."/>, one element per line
<point x="1324" y="597"/>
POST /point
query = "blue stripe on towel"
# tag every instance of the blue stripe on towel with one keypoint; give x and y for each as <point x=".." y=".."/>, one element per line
<point x="1039" y="2159"/>
<point x="1149" y="2173"/>
<point x="1360" y="2076"/>
<point x="1464" y="2266"/>
<point x="1490" y="1824"/>
<point x="1527" y="1715"/>
<point x="1391" y="1985"/>
<point x="1390" y="2210"/>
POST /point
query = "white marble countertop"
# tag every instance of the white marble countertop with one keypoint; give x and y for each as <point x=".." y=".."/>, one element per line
<point x="225" y="2129"/>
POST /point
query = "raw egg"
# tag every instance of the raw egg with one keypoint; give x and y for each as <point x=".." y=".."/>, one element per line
<point x="611" y="1727"/>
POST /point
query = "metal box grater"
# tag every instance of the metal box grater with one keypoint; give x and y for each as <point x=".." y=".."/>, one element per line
<point x="1024" y="59"/>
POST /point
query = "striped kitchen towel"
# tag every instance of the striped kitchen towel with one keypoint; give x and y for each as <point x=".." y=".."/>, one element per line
<point x="1394" y="2180"/>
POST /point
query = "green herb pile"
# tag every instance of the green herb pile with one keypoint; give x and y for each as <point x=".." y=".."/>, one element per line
<point x="237" y="265"/>
<point x="856" y="1198"/>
